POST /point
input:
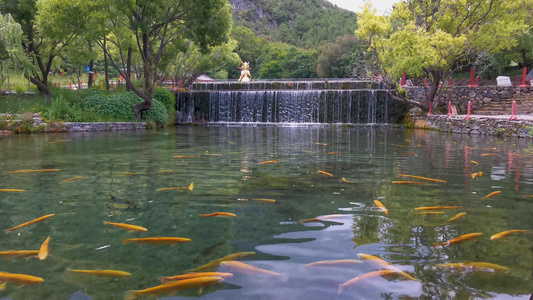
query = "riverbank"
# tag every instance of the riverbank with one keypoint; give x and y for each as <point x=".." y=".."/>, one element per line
<point x="494" y="125"/>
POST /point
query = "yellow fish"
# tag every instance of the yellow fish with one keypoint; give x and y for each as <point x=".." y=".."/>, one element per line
<point x="423" y="178"/>
<point x="33" y="171"/>
<point x="129" y="227"/>
<point x="216" y="262"/>
<point x="322" y="144"/>
<point x="102" y="273"/>
<point x="334" y="262"/>
<point x="488" y="154"/>
<point x="191" y="186"/>
<point x="309" y="220"/>
<point x="18" y="253"/>
<point x="475" y="267"/>
<point x="3" y="286"/>
<point x="157" y="240"/>
<point x="378" y="203"/>
<point x="492" y="194"/>
<point x="71" y="179"/>
<point x="173" y="286"/>
<point x="165" y="171"/>
<point x="458" y="240"/>
<point x="250" y="270"/>
<point x="268" y="162"/>
<point x="21" y="279"/>
<point x="347" y="181"/>
<point x="195" y="275"/>
<point x="437" y="207"/>
<point x="172" y="189"/>
<point x="380" y="263"/>
<point x="474" y="162"/>
<point x="185" y="156"/>
<point x="11" y="190"/>
<point x="457" y="217"/>
<point x="353" y="281"/>
<point x="30" y="222"/>
<point x="408" y="182"/>
<point x="219" y="214"/>
<point x="507" y="233"/>
<point x="43" y="251"/>
<point x="325" y="173"/>
<point x="264" y="200"/>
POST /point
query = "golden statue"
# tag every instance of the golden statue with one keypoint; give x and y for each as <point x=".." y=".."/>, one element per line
<point x="245" y="72"/>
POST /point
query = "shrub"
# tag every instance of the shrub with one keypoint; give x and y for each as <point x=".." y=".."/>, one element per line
<point x="165" y="97"/>
<point x="64" y="110"/>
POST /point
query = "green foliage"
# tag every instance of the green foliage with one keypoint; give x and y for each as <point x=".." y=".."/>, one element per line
<point x="120" y="106"/>
<point x="64" y="110"/>
<point x="165" y="97"/>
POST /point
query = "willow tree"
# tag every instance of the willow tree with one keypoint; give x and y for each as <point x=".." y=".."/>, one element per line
<point x="432" y="37"/>
<point x="155" y="24"/>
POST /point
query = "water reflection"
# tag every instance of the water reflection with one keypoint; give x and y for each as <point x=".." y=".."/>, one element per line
<point x="372" y="157"/>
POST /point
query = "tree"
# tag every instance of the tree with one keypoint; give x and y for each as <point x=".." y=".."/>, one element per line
<point x="154" y="25"/>
<point x="433" y="37"/>
<point x="343" y="58"/>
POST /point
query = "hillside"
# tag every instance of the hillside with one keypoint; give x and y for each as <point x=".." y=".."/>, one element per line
<point x="303" y="23"/>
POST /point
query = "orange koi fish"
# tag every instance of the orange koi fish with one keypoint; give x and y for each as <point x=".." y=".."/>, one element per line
<point x="334" y="262"/>
<point x="34" y="171"/>
<point x="334" y="153"/>
<point x="437" y="207"/>
<point x="18" y="253"/>
<point x="157" y="240"/>
<point x="475" y="267"/>
<point x="185" y="156"/>
<point x="408" y="182"/>
<point x="457" y="217"/>
<point x="488" y="154"/>
<point x="191" y="186"/>
<point x="30" y="222"/>
<point x="378" y="203"/>
<point x="401" y="146"/>
<point x="102" y="273"/>
<point x="309" y="220"/>
<point x="173" y="287"/>
<point x="172" y="189"/>
<point x="264" y="200"/>
<point x="380" y="263"/>
<point x="126" y="226"/>
<point x="11" y="190"/>
<point x="43" y="251"/>
<point x="474" y="162"/>
<point x="165" y="171"/>
<point x="215" y="263"/>
<point x="429" y="213"/>
<point x="384" y="273"/>
<point x="322" y="144"/>
<point x="458" y="240"/>
<point x="21" y="279"/>
<point x="71" y="179"/>
<point x="219" y="214"/>
<point x="268" y="162"/>
<point x="492" y="194"/>
<point x="325" y="173"/>
<point x="507" y="233"/>
<point x="251" y="270"/>
<point x="195" y="275"/>
<point x="423" y="178"/>
<point x="347" y="181"/>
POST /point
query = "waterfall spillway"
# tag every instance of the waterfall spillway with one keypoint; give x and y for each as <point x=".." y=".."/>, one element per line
<point x="345" y="102"/>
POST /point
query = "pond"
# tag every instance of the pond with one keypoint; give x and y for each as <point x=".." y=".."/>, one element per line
<point x="269" y="178"/>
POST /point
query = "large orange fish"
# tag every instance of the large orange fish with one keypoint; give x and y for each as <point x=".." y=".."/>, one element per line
<point x="457" y="217"/>
<point x="71" y="179"/>
<point x="11" y="190"/>
<point x="423" y="178"/>
<point x="43" y="251"/>
<point x="171" y="189"/>
<point x="507" y="233"/>
<point x="408" y="182"/>
<point x="157" y="240"/>
<point x="380" y="263"/>
<point x="30" y="222"/>
<point x="264" y="200"/>
<point x="347" y="181"/>
<point x="437" y="207"/>
<point x="219" y="214"/>
<point x="33" y="171"/>
<point x="492" y="194"/>
<point x="338" y="262"/>
<point x="173" y="287"/>
<point x="475" y="267"/>
<point x="325" y="173"/>
<point x="185" y="156"/>
<point x="268" y="162"/>
<point x="251" y="270"/>
<point x="102" y="273"/>
<point x="215" y="263"/>
<point x="384" y="273"/>
<point x="18" y="253"/>
<point x="21" y="279"/>
<point x="380" y="205"/>
<point x="195" y="275"/>
<point x="129" y="227"/>
<point x="459" y="240"/>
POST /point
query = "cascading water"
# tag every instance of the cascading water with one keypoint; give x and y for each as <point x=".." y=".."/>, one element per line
<point x="346" y="102"/>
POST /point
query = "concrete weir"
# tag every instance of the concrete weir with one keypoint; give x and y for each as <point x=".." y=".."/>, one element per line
<point x="316" y="101"/>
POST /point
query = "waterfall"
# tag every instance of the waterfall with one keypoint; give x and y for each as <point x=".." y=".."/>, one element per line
<point x="346" y="102"/>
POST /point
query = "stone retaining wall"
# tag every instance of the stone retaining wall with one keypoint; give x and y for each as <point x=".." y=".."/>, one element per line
<point x="480" y="96"/>
<point x="98" y="126"/>
<point x="476" y="126"/>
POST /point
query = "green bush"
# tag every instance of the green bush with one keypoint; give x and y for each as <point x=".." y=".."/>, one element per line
<point x="120" y="106"/>
<point x="64" y="110"/>
<point x="165" y="97"/>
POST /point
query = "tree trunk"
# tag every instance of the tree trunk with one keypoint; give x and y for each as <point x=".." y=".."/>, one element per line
<point x="106" y="67"/>
<point x="128" y="71"/>
<point x="43" y="89"/>
<point x="91" y="70"/>
<point x="433" y="91"/>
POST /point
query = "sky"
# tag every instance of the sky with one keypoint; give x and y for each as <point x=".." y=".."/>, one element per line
<point x="356" y="5"/>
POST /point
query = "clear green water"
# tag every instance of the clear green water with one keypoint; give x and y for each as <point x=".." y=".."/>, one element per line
<point x="373" y="157"/>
